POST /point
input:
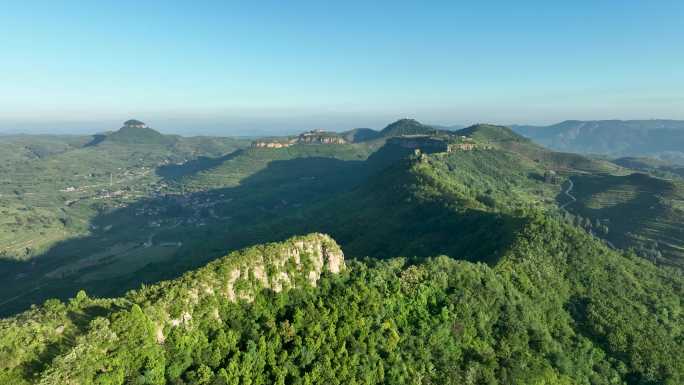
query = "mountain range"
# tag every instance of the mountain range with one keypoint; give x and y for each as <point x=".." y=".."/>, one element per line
<point x="467" y="256"/>
<point x="657" y="138"/>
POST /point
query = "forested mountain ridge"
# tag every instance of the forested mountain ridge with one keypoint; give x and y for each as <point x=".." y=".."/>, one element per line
<point x="407" y="127"/>
<point x="521" y="293"/>
<point x="507" y="139"/>
<point x="398" y="128"/>
<point x="663" y="139"/>
<point x="238" y="276"/>
<point x="376" y="198"/>
<point x="558" y="308"/>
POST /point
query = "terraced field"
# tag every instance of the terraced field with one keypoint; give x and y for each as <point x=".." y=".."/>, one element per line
<point x="641" y="211"/>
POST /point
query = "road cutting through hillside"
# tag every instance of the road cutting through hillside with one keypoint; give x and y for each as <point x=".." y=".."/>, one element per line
<point x="567" y="192"/>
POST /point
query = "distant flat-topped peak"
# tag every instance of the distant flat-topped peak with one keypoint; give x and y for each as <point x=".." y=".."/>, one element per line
<point x="133" y="123"/>
<point x="137" y="132"/>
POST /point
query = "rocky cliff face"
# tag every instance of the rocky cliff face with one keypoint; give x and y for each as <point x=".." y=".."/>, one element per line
<point x="271" y="144"/>
<point x="310" y="137"/>
<point x="157" y="310"/>
<point x="320" y="138"/>
<point x="242" y="274"/>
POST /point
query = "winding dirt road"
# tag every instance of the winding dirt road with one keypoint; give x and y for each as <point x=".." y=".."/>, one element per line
<point x="567" y="192"/>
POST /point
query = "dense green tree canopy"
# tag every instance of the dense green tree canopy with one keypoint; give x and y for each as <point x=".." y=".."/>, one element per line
<point x="558" y="308"/>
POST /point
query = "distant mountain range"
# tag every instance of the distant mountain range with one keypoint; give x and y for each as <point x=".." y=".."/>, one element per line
<point x="661" y="139"/>
<point x="400" y="127"/>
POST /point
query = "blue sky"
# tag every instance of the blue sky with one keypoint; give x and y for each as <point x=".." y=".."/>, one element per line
<point x="239" y="67"/>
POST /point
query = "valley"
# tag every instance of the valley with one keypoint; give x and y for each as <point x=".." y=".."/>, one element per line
<point x="105" y="219"/>
<point x="133" y="211"/>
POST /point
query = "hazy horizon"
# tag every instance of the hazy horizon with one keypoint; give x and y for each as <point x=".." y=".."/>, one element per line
<point x="217" y="68"/>
<point x="249" y="126"/>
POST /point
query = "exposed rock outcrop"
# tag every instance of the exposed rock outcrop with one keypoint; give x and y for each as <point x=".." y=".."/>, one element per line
<point x="309" y="137"/>
<point x="320" y="137"/>
<point x="241" y="275"/>
<point x="271" y="144"/>
<point x="133" y="123"/>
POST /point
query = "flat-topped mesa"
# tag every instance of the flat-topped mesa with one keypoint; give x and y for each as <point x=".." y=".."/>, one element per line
<point x="320" y="137"/>
<point x="310" y="137"/>
<point x="272" y="143"/>
<point x="132" y="123"/>
<point x="135" y="132"/>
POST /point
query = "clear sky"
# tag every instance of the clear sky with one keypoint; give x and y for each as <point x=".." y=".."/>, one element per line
<point x="251" y="67"/>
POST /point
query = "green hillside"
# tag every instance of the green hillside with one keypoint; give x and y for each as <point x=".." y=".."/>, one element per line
<point x="257" y="195"/>
<point x="139" y="135"/>
<point x="117" y="242"/>
<point x="53" y="196"/>
<point x="26" y="147"/>
<point x="629" y="210"/>
<point x="558" y="308"/>
<point x="492" y="133"/>
<point x="357" y="135"/>
<point x="640" y="211"/>
<point x="181" y="214"/>
<point x="407" y="127"/>
<point x="506" y="139"/>
<point x="398" y="128"/>
<point x="521" y="294"/>
<point x="443" y="203"/>
<point x="233" y="168"/>
<point x="652" y="166"/>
